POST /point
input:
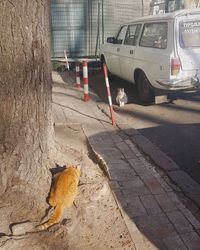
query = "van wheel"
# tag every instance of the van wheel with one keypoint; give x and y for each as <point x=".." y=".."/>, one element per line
<point x="145" y="91"/>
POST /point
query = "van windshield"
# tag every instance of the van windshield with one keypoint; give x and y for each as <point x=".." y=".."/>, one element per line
<point x="190" y="34"/>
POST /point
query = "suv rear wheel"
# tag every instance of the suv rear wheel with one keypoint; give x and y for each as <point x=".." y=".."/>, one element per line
<point x="145" y="91"/>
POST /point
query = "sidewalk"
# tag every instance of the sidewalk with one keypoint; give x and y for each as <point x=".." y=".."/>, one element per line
<point x="153" y="208"/>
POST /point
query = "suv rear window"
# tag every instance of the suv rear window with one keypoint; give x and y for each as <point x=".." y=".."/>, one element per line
<point x="190" y="34"/>
<point x="154" y="35"/>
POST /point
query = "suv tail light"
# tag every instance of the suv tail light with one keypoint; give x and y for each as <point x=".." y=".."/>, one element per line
<point x="175" y="66"/>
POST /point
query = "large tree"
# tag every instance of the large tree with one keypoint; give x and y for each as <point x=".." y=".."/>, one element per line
<point x="26" y="127"/>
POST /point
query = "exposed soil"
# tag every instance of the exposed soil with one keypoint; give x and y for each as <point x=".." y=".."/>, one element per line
<point x="94" y="222"/>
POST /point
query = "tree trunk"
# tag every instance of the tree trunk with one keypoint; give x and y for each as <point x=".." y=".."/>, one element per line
<point x="26" y="127"/>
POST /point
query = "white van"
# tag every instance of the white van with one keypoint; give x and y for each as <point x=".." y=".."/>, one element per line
<point x="159" y="52"/>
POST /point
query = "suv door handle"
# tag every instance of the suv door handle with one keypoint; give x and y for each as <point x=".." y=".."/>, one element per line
<point x="118" y="49"/>
<point x="131" y="51"/>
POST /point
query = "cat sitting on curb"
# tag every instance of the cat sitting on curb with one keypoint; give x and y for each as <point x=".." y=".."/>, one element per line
<point x="63" y="193"/>
<point x="121" y="98"/>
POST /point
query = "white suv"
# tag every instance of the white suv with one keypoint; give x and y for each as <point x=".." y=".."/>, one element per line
<point x="157" y="52"/>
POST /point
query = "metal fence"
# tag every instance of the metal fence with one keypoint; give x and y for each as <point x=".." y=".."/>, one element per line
<point x="68" y="27"/>
<point x="162" y="6"/>
<point x="79" y="26"/>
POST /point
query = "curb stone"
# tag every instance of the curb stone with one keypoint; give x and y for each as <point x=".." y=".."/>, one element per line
<point x="179" y="217"/>
<point x="182" y="179"/>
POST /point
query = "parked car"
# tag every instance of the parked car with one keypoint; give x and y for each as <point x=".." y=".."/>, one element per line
<point x="159" y="52"/>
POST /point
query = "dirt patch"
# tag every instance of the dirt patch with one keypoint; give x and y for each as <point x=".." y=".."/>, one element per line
<point x="94" y="222"/>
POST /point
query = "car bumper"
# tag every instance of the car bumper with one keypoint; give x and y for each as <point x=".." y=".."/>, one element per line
<point x="187" y="83"/>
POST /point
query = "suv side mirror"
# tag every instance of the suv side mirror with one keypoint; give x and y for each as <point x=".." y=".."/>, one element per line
<point x="111" y="40"/>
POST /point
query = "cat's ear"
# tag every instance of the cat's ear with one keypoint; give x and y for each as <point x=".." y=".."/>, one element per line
<point x="78" y="167"/>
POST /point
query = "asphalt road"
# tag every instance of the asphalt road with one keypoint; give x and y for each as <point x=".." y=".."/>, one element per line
<point x="174" y="127"/>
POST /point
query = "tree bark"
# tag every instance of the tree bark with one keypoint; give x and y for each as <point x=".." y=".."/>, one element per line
<point x="26" y="127"/>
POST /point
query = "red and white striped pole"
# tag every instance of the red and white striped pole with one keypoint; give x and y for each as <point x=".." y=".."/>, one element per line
<point x="109" y="94"/>
<point x="78" y="80"/>
<point x="85" y="81"/>
<point x="66" y="60"/>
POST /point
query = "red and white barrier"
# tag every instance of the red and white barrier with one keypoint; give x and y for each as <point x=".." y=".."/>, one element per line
<point x="78" y="79"/>
<point x="66" y="60"/>
<point x="109" y="94"/>
<point x="85" y="81"/>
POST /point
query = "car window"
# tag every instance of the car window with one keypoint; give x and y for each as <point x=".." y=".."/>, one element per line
<point x="190" y="34"/>
<point x="132" y="34"/>
<point x="154" y="35"/>
<point x="121" y="35"/>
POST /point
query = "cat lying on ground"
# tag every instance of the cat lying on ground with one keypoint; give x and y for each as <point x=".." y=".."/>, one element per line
<point x="63" y="193"/>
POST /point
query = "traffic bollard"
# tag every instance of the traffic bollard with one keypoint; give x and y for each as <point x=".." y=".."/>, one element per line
<point x="78" y="80"/>
<point x="66" y="60"/>
<point x="85" y="81"/>
<point x="109" y="94"/>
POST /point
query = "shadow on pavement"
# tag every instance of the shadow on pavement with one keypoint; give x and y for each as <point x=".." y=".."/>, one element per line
<point x="153" y="210"/>
<point x="186" y="95"/>
<point x="177" y="140"/>
<point x="97" y="83"/>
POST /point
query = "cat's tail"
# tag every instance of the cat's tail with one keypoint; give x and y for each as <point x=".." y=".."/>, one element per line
<point x="55" y="218"/>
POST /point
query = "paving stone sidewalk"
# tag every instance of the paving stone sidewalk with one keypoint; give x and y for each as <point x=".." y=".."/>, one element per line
<point x="152" y="207"/>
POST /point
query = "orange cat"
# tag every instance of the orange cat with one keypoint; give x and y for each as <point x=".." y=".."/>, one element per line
<point x="63" y="193"/>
